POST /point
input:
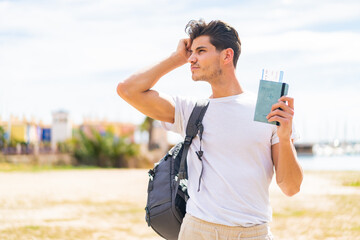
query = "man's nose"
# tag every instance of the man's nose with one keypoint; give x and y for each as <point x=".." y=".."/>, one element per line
<point x="192" y="59"/>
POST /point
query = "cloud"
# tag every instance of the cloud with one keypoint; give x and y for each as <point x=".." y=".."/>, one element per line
<point x="71" y="54"/>
<point x="77" y="42"/>
<point x="316" y="47"/>
<point x="273" y="17"/>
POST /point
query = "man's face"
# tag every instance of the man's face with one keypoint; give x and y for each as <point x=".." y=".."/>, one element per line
<point x="204" y="60"/>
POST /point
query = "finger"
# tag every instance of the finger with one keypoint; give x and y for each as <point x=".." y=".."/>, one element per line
<point x="290" y="101"/>
<point x="283" y="107"/>
<point x="187" y="42"/>
<point x="278" y="112"/>
<point x="281" y="120"/>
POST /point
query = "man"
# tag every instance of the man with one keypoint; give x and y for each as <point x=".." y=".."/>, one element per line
<point x="232" y="201"/>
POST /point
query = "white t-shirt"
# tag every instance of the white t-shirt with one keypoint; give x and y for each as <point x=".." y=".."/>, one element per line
<point x="237" y="161"/>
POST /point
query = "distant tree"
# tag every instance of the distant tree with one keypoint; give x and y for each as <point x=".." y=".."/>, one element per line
<point x="2" y="138"/>
<point x="103" y="151"/>
<point x="148" y="125"/>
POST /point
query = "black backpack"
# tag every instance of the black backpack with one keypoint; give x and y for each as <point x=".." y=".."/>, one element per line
<point x="167" y="189"/>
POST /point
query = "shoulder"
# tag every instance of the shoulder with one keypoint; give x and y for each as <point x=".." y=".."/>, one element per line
<point x="185" y="105"/>
<point x="183" y="108"/>
<point x="184" y="101"/>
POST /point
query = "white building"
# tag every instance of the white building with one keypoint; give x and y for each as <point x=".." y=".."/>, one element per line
<point x="61" y="128"/>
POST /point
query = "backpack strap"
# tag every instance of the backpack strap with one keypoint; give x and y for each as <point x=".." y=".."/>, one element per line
<point x="193" y="128"/>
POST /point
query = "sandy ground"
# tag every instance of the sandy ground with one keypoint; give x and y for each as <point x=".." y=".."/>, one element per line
<point x="109" y="204"/>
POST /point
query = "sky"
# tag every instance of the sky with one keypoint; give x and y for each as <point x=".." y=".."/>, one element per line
<point x="70" y="55"/>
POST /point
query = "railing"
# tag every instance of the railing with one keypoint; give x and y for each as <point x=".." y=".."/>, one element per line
<point x="25" y="150"/>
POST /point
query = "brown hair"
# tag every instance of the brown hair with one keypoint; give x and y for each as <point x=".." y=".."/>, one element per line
<point x="221" y="34"/>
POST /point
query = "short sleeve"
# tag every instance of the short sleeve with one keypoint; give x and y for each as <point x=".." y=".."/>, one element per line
<point x="294" y="135"/>
<point x="183" y="108"/>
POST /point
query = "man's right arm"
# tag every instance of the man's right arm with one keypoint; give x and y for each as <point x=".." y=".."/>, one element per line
<point x="136" y="90"/>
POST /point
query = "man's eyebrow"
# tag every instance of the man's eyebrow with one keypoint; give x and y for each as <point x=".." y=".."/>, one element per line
<point x="198" y="48"/>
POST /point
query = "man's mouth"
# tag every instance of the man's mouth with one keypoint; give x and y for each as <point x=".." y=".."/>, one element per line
<point x="194" y="67"/>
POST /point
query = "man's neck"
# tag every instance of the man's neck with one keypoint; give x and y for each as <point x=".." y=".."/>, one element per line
<point x="226" y="85"/>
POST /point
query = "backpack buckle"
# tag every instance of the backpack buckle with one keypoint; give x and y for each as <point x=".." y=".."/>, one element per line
<point x="188" y="140"/>
<point x="151" y="174"/>
<point x="182" y="175"/>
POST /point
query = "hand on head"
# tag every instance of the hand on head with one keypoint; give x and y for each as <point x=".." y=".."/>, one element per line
<point x="183" y="49"/>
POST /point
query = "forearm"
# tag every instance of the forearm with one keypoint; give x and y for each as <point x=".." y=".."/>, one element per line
<point x="144" y="80"/>
<point x="289" y="174"/>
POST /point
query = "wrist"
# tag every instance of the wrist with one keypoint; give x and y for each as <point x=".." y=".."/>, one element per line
<point x="178" y="59"/>
<point x="285" y="140"/>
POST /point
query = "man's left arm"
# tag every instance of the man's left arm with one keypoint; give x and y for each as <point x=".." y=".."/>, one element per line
<point x="289" y="174"/>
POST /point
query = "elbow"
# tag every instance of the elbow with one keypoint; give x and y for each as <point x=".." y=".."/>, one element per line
<point x="123" y="90"/>
<point x="130" y="87"/>
<point x="291" y="191"/>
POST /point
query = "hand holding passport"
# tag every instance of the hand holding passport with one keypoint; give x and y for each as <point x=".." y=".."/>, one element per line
<point x="271" y="88"/>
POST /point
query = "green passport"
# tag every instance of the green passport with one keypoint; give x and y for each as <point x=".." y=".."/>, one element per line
<point x="269" y="94"/>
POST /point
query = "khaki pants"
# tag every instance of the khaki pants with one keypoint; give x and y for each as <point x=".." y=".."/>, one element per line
<point x="193" y="228"/>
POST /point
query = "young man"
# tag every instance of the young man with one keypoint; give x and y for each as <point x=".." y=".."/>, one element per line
<point x="232" y="201"/>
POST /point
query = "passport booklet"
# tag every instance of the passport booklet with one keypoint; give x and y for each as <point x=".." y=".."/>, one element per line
<point x="269" y="93"/>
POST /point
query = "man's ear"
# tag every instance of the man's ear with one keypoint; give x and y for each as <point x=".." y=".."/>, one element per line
<point x="227" y="56"/>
